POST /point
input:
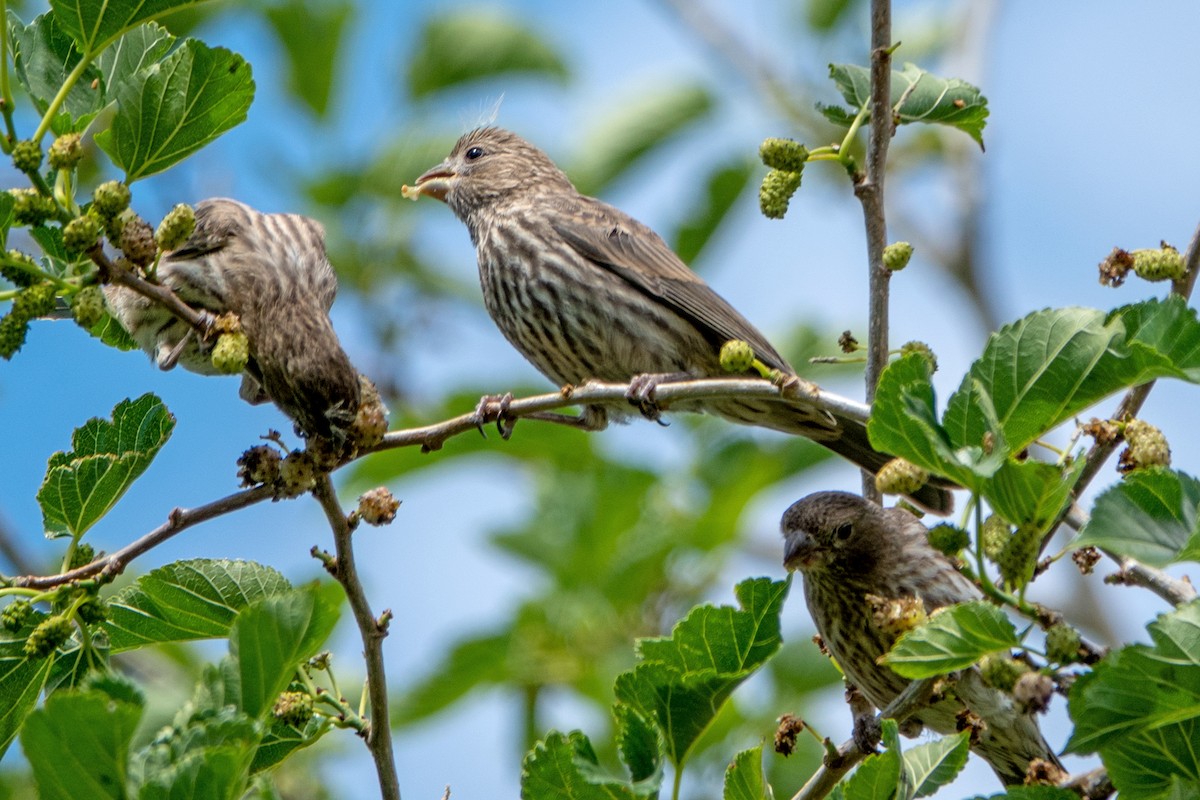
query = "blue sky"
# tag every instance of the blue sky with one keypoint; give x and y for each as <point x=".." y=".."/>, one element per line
<point x="1091" y="143"/>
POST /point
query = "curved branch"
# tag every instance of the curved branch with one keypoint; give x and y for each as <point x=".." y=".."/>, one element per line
<point x="431" y="437"/>
<point x="372" y="631"/>
<point x="177" y="521"/>
<point x="200" y="320"/>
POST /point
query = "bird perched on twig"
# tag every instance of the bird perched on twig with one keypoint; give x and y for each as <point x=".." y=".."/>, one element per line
<point x="586" y="292"/>
<point x="272" y="272"/>
<point x="853" y="553"/>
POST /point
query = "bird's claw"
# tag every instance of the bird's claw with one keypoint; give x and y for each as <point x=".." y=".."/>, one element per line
<point x="867" y="732"/>
<point x="494" y="407"/>
<point x="641" y="393"/>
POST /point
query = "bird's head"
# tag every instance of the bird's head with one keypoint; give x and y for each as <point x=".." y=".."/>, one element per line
<point x="488" y="165"/>
<point x="832" y="531"/>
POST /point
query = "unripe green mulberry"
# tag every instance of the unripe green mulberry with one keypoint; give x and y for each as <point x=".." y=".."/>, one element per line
<point x="776" y="191"/>
<point x="1165" y="264"/>
<point x="231" y="352"/>
<point x="81" y="233"/>
<point x="1062" y="643"/>
<point x="736" y="356"/>
<point x="994" y="536"/>
<point x="948" y="539"/>
<point x="66" y="151"/>
<point x="27" y="155"/>
<point x="87" y="306"/>
<point x="1001" y="670"/>
<point x="176" y="227"/>
<point x="896" y="255"/>
<point x="899" y="476"/>
<point x="894" y="616"/>
<point x="293" y="708"/>
<point x="137" y="241"/>
<point x="35" y="301"/>
<point x="92" y="611"/>
<point x="111" y="198"/>
<point x="922" y="349"/>
<point x="1019" y="556"/>
<point x="12" y="334"/>
<point x="15" y="615"/>
<point x="81" y="556"/>
<point x="47" y="636"/>
<point x="783" y="154"/>
<point x="30" y="207"/>
<point x="16" y="275"/>
<point x="1147" y="447"/>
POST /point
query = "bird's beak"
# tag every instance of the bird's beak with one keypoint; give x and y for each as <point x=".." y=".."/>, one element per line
<point x="800" y="551"/>
<point x="435" y="183"/>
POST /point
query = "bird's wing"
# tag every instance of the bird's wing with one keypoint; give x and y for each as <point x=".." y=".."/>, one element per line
<point x="626" y="247"/>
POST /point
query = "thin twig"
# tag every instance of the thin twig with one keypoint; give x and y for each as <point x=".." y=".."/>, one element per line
<point x="1132" y="402"/>
<point x="200" y="320"/>
<point x="914" y="697"/>
<point x="869" y="189"/>
<point x="373" y="630"/>
<point x="431" y="437"/>
<point x="1132" y="572"/>
<point x="177" y="521"/>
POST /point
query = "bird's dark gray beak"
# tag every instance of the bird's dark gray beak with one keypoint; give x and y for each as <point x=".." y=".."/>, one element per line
<point x="435" y="183"/>
<point x="799" y="550"/>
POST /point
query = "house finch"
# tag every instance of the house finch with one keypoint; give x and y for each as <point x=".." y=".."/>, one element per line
<point x="271" y="271"/>
<point x="585" y="291"/>
<point x="848" y="548"/>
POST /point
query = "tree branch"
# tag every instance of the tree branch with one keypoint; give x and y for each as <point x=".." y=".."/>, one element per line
<point x="372" y="631"/>
<point x="869" y="190"/>
<point x="200" y="320"/>
<point x="913" y="698"/>
<point x="178" y="521"/>
<point x="431" y="437"/>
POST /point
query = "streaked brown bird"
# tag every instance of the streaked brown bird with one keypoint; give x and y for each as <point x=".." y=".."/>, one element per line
<point x="271" y="270"/>
<point x="584" y="291"/>
<point x="848" y="548"/>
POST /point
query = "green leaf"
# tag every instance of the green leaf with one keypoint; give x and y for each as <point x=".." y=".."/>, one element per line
<point x="639" y="743"/>
<point x="311" y="35"/>
<point x="281" y="740"/>
<point x="137" y="50"/>
<point x="624" y="134"/>
<point x="880" y="776"/>
<point x="565" y="767"/>
<point x="107" y="457"/>
<point x="1151" y="515"/>
<point x="932" y="765"/>
<point x="744" y="777"/>
<point x="187" y="600"/>
<point x="724" y="186"/>
<point x="1035" y="793"/>
<point x="175" y="107"/>
<point x="202" y="757"/>
<point x="917" y="96"/>
<point x="45" y="55"/>
<point x="952" y="638"/>
<point x="109" y="331"/>
<point x="1042" y="370"/>
<point x="1140" y="708"/>
<point x="273" y="635"/>
<point x="1032" y="493"/>
<point x="904" y="423"/>
<point x="465" y="46"/>
<point x="824" y="15"/>
<point x="78" y="745"/>
<point x="94" y="25"/>
<point x="683" y="680"/>
<point x="21" y="680"/>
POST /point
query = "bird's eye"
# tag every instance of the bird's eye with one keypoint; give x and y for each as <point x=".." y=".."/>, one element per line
<point x="474" y="153"/>
<point x="842" y="532"/>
